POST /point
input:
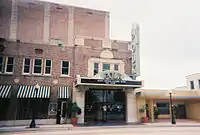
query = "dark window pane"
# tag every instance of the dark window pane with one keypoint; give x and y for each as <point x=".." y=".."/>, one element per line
<point x="37" y="69"/>
<point x="199" y="84"/>
<point x="9" y="68"/>
<point x="1" y="60"/>
<point x="26" y="69"/>
<point x="47" y="70"/>
<point x="163" y="107"/>
<point x="38" y="62"/>
<point x="116" y="67"/>
<point x="10" y="60"/>
<point x="65" y="64"/>
<point x="96" y="68"/>
<point x="48" y="62"/>
<point x="65" y="71"/>
<point x="1" y="69"/>
<point x="164" y="104"/>
<point x="191" y="84"/>
<point x="96" y="65"/>
<point x="27" y="61"/>
<point x="1" y="63"/>
<point x="95" y="72"/>
<point x="106" y="67"/>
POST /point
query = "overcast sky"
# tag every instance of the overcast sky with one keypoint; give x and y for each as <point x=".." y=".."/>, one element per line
<point x="170" y="35"/>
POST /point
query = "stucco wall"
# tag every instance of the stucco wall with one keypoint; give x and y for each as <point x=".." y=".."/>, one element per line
<point x="193" y="111"/>
<point x="140" y="103"/>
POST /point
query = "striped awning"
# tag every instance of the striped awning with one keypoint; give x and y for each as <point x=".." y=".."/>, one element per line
<point x="4" y="91"/>
<point x="63" y="92"/>
<point x="31" y="92"/>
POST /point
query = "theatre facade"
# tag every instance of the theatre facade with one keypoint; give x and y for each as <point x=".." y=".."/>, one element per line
<point x="50" y="53"/>
<point x="107" y="97"/>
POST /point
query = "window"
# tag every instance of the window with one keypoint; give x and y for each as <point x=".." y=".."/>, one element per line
<point x="96" y="68"/>
<point x="9" y="65"/>
<point x="1" y="64"/>
<point x="48" y="65"/>
<point x="26" y="66"/>
<point x="65" y="68"/>
<point x="106" y="67"/>
<point x="191" y="84"/>
<point x="116" y="67"/>
<point x="163" y="107"/>
<point x="37" y="66"/>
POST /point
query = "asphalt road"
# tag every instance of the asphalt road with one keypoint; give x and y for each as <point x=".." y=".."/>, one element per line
<point x="115" y="131"/>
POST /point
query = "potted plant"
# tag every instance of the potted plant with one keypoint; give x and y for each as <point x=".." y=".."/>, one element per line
<point x="142" y="111"/>
<point x="156" y="112"/>
<point x="73" y="110"/>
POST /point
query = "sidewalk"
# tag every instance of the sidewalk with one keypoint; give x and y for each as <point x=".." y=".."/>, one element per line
<point x="70" y="127"/>
<point x="38" y="128"/>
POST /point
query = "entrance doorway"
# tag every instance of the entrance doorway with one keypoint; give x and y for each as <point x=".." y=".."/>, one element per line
<point x="104" y="105"/>
<point x="181" y="111"/>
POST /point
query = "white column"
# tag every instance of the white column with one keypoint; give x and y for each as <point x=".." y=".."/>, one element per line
<point x="46" y="22"/>
<point x="14" y="20"/>
<point x="131" y="110"/>
<point x="80" y="100"/>
<point x="71" y="38"/>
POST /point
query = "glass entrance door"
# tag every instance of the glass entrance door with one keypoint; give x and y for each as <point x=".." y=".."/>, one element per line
<point x="104" y="105"/>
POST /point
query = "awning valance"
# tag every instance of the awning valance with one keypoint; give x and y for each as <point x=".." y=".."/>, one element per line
<point x="63" y="92"/>
<point x="4" y="91"/>
<point x="31" y="92"/>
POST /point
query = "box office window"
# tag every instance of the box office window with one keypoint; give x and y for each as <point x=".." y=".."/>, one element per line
<point x="163" y="107"/>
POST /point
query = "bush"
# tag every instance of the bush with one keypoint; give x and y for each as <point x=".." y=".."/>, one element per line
<point x="73" y="109"/>
<point x="156" y="112"/>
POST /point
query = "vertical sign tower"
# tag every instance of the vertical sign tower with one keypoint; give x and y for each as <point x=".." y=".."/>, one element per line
<point x="135" y="42"/>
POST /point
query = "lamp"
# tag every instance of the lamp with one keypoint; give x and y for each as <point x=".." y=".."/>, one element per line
<point x="173" y="121"/>
<point x="37" y="86"/>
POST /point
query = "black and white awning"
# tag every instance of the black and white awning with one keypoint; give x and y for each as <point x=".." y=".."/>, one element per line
<point x="4" y="91"/>
<point x="63" y="92"/>
<point x="31" y="92"/>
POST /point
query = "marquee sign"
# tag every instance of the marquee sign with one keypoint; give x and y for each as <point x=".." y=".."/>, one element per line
<point x="114" y="82"/>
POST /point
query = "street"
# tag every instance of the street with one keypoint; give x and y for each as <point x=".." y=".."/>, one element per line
<point x="115" y="131"/>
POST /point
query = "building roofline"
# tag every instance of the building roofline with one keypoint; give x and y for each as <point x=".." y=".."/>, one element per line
<point x="192" y="75"/>
<point x="68" y="5"/>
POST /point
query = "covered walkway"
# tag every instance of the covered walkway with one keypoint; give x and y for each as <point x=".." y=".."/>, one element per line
<point x="186" y="104"/>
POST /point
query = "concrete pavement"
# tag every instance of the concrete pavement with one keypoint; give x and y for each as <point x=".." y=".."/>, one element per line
<point x="68" y="127"/>
<point x="115" y="131"/>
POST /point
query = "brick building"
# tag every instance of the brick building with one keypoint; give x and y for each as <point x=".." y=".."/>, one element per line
<point x="53" y="45"/>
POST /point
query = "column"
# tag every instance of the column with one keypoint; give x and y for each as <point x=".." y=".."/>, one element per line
<point x="80" y="100"/>
<point x="14" y="20"/>
<point x="151" y="112"/>
<point x="131" y="108"/>
<point x="46" y="22"/>
<point x="71" y="37"/>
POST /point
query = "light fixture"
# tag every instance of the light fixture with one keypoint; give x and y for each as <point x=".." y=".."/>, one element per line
<point x="55" y="81"/>
<point x="37" y="86"/>
<point x="16" y="80"/>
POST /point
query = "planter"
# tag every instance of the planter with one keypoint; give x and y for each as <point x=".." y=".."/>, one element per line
<point x="74" y="121"/>
<point x="144" y="119"/>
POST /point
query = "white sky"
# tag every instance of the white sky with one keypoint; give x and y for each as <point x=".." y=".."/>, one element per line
<point x="170" y="35"/>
